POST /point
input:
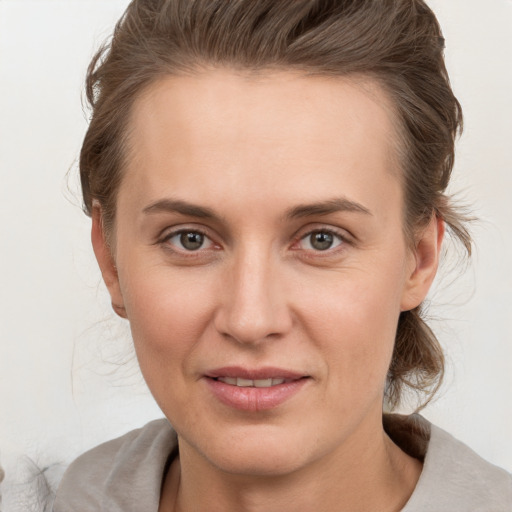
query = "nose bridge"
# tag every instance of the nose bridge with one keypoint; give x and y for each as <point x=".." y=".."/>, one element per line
<point x="253" y="306"/>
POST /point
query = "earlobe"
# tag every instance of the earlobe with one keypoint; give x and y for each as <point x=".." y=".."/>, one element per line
<point x="106" y="261"/>
<point x="425" y="260"/>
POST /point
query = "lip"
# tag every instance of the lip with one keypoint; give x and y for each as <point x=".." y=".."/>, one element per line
<point x="254" y="399"/>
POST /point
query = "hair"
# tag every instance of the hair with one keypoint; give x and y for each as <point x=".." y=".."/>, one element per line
<point x="396" y="43"/>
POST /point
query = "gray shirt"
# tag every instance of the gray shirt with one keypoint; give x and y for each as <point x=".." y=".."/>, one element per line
<point x="125" y="475"/>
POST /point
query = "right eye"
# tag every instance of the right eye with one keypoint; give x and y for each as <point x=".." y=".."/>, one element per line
<point x="188" y="240"/>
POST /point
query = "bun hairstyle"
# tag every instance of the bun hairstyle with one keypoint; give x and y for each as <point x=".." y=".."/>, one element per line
<point x="397" y="44"/>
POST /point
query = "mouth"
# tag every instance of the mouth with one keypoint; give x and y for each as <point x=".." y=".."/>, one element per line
<point x="253" y="383"/>
<point x="254" y="378"/>
<point x="255" y="390"/>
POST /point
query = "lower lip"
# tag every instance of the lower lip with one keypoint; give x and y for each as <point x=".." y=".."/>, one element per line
<point x="252" y="398"/>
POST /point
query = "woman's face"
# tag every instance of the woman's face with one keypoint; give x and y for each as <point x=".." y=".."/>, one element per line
<point x="260" y="259"/>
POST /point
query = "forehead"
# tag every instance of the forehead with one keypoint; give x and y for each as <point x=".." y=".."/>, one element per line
<point x="265" y="103"/>
<point x="247" y="133"/>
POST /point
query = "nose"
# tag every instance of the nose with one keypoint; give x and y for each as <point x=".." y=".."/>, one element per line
<point x="253" y="306"/>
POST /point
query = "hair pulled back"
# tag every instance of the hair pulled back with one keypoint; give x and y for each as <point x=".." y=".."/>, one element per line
<point x="397" y="43"/>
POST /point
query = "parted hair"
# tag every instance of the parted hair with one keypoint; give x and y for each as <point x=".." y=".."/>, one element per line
<point x="396" y="43"/>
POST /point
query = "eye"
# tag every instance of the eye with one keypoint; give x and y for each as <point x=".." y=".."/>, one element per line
<point x="189" y="240"/>
<point x="320" y="240"/>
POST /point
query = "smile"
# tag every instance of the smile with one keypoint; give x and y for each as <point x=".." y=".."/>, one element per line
<point x="255" y="390"/>
<point x="250" y="383"/>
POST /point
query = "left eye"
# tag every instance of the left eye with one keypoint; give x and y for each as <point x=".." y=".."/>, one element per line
<point x="321" y="241"/>
<point x="190" y="240"/>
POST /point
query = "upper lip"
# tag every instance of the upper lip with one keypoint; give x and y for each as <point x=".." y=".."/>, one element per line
<point x="254" y="373"/>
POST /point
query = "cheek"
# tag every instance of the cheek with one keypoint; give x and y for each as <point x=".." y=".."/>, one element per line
<point x="354" y="321"/>
<point x="165" y="306"/>
<point x="168" y="314"/>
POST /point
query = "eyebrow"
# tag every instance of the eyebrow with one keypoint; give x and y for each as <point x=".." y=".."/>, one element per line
<point x="178" y="206"/>
<point x="330" y="206"/>
<point x="339" y="204"/>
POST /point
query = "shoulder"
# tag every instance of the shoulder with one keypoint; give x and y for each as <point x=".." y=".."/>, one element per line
<point x="456" y="479"/>
<point x="118" y="474"/>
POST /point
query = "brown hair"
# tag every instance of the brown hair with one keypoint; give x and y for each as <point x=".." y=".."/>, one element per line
<point x="397" y="43"/>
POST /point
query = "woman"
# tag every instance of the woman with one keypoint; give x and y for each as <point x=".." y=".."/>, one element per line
<point x="266" y="184"/>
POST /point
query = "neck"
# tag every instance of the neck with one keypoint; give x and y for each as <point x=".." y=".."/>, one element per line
<point x="359" y="476"/>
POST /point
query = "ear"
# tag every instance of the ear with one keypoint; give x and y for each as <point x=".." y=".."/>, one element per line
<point x="424" y="264"/>
<point x="106" y="261"/>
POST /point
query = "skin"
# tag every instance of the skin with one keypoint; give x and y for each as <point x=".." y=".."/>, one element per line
<point x="254" y="151"/>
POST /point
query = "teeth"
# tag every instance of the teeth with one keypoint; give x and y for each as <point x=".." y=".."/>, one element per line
<point x="244" y="383"/>
<point x="263" y="383"/>
<point x="249" y="383"/>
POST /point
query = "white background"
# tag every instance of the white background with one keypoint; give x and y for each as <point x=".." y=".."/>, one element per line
<point x="67" y="376"/>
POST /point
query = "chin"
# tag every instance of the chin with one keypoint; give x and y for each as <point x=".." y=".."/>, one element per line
<point x="259" y="451"/>
<point x="264" y="461"/>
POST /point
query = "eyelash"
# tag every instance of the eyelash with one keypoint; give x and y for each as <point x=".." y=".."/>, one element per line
<point x="342" y="240"/>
